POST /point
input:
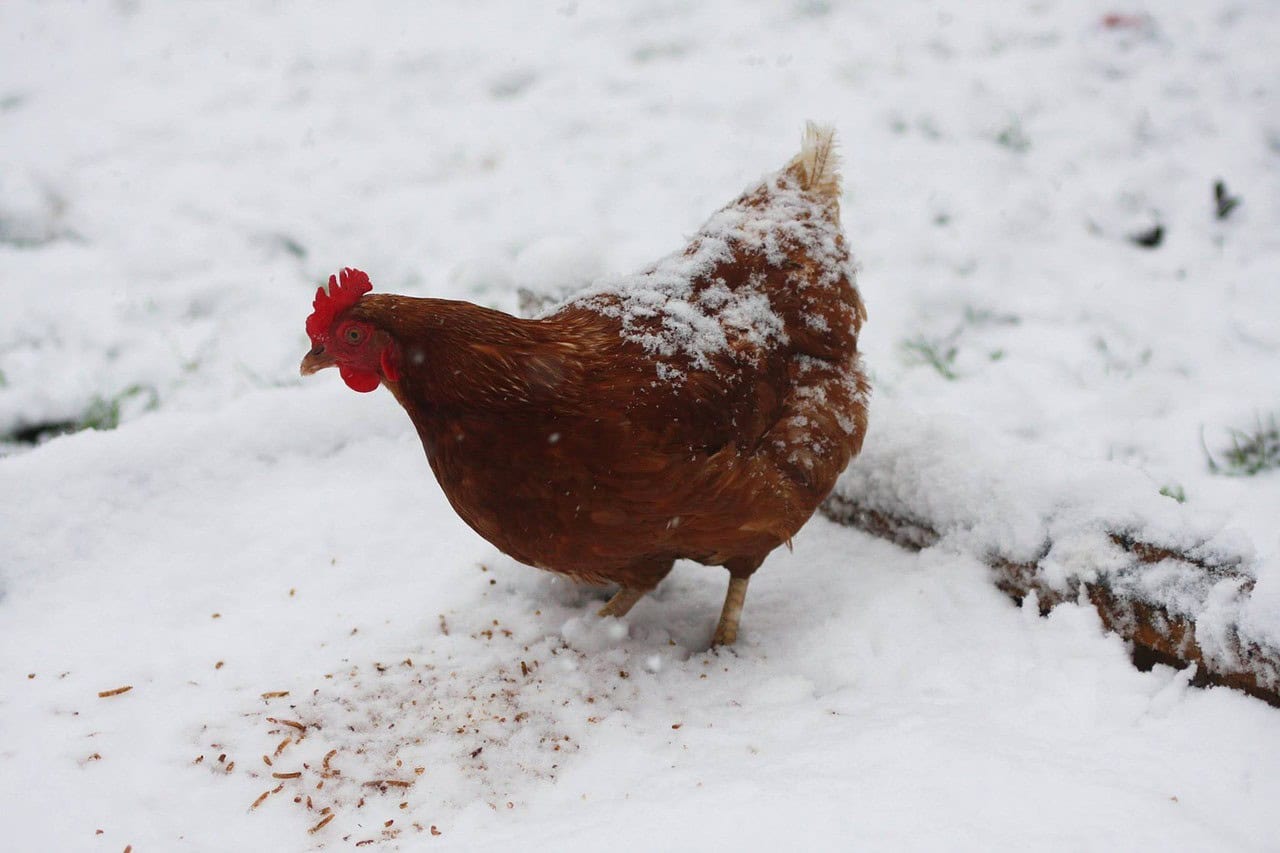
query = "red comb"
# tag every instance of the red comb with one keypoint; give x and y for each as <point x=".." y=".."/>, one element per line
<point x="345" y="290"/>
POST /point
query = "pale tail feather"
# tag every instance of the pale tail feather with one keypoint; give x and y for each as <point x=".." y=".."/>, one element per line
<point x="818" y="162"/>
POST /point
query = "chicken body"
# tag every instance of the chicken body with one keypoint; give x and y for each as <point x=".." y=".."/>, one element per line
<point x="702" y="409"/>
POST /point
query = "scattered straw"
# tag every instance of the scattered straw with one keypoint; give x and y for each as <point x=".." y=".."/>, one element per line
<point x="103" y="694"/>
<point x="291" y="723"/>
<point x="322" y="824"/>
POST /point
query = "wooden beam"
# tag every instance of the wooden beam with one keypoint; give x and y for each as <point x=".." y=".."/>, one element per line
<point x="1156" y="633"/>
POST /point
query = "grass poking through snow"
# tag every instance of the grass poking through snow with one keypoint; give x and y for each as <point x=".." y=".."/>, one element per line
<point x="938" y="353"/>
<point x="1251" y="452"/>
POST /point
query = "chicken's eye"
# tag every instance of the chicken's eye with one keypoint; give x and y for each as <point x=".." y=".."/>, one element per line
<point x="354" y="335"/>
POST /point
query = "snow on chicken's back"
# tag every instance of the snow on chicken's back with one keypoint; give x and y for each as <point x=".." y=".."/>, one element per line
<point x="771" y="268"/>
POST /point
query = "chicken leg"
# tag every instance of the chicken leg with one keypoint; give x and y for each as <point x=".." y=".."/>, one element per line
<point x="727" y="629"/>
<point x="639" y="579"/>
<point x="622" y="602"/>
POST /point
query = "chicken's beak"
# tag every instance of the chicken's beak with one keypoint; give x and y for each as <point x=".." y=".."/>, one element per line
<point x="315" y="360"/>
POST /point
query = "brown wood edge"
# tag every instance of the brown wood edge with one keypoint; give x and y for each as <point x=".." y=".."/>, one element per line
<point x="1155" y="635"/>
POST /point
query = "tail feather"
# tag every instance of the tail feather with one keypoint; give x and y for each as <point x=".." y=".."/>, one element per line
<point x="818" y="164"/>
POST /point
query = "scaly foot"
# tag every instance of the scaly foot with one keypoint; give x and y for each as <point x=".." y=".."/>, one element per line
<point x="621" y="603"/>
<point x="727" y="629"/>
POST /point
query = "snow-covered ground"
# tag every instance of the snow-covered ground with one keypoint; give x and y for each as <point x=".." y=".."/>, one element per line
<point x="175" y="180"/>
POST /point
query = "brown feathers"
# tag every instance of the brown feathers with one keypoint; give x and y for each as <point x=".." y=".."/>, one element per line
<point x="701" y="409"/>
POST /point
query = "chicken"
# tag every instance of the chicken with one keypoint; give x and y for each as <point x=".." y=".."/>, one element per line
<point x="701" y="409"/>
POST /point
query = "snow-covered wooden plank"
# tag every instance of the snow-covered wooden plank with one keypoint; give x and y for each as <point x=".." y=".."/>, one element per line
<point x="1176" y="586"/>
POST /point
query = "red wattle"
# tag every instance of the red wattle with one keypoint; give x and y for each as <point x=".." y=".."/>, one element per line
<point x="359" y="380"/>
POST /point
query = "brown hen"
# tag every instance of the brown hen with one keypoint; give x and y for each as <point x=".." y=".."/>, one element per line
<point x="701" y="409"/>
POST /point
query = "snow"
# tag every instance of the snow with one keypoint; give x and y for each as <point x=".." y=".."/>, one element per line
<point x="180" y="177"/>
<point x="1034" y="505"/>
<point x="698" y="316"/>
